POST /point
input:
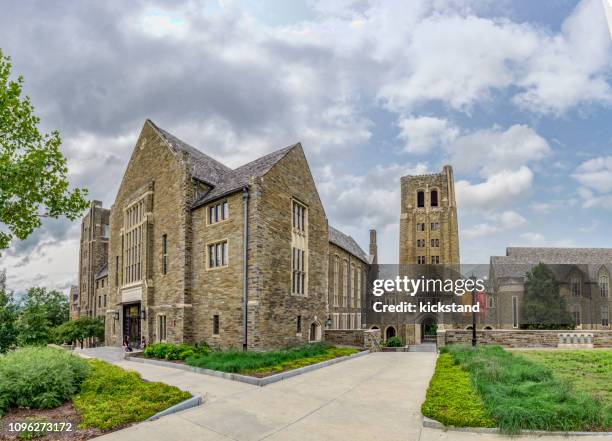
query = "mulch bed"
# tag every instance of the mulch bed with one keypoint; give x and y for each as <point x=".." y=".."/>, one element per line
<point x="66" y="413"/>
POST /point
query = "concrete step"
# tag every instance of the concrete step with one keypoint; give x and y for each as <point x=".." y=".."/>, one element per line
<point x="423" y="347"/>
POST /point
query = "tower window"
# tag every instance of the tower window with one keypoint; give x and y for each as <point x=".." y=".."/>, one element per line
<point x="420" y="199"/>
<point x="216" y="324"/>
<point x="434" y="198"/>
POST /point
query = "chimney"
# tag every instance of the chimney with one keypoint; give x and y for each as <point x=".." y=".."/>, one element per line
<point x="373" y="246"/>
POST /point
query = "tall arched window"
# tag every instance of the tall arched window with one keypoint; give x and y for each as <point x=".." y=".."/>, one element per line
<point x="434" y="198"/>
<point x="604" y="285"/>
<point x="420" y="199"/>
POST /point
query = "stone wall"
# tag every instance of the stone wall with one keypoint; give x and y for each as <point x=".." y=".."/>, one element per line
<point x="359" y="338"/>
<point x="519" y="338"/>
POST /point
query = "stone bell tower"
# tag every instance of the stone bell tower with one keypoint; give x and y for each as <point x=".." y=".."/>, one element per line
<point x="428" y="220"/>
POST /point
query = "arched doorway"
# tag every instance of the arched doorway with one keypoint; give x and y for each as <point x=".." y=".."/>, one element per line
<point x="429" y="329"/>
<point x="315" y="332"/>
<point x="390" y="332"/>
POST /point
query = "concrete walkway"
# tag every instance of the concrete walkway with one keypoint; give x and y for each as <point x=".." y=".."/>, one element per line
<point x="376" y="397"/>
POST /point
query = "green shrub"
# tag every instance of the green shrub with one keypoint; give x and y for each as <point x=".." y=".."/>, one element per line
<point x="451" y="398"/>
<point x="393" y="342"/>
<point x="39" y="377"/>
<point x="172" y="351"/>
<point x="239" y="361"/>
<point x="522" y="395"/>
<point x="111" y="397"/>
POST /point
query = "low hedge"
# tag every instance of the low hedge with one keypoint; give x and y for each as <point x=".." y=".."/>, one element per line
<point x="451" y="399"/>
<point x="112" y="397"/>
<point x="39" y="377"/>
<point x="172" y="351"/>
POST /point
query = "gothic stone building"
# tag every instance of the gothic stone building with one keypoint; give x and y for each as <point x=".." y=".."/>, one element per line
<point x="583" y="275"/>
<point x="199" y="252"/>
<point x="429" y="241"/>
<point x="93" y="255"/>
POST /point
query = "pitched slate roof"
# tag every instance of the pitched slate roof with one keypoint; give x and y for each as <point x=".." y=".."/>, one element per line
<point x="239" y="178"/>
<point x="221" y="178"/>
<point x="204" y="167"/>
<point x="347" y="243"/>
<point x="519" y="260"/>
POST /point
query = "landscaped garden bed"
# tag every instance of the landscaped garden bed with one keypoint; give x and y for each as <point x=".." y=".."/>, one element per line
<point x="250" y="363"/>
<point x="91" y="397"/>
<point x="514" y="391"/>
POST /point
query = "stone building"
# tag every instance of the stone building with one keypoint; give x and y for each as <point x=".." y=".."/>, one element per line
<point x="583" y="275"/>
<point x="428" y="220"/>
<point x="348" y="272"/>
<point x="199" y="252"/>
<point x="428" y="246"/>
<point x="93" y="256"/>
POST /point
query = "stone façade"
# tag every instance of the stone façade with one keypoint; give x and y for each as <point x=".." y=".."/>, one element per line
<point x="158" y="259"/>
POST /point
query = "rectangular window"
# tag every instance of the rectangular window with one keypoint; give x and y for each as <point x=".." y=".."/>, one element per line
<point x="116" y="270"/>
<point x="165" y="254"/>
<point x="336" y="279"/>
<point x="576" y="315"/>
<point x="134" y="229"/>
<point x="358" y="286"/>
<point x="298" y="271"/>
<point x="435" y="260"/>
<point x="605" y="315"/>
<point x="218" y="212"/>
<point x="105" y="300"/>
<point x="490" y="301"/>
<point x="515" y="320"/>
<point x="218" y="254"/>
<point x="421" y="260"/>
<point x="216" y="324"/>
<point x="435" y="226"/>
<point x="99" y="301"/>
<point x="604" y="286"/>
<point x="575" y="286"/>
<point x="344" y="282"/>
<point x="298" y="325"/>
<point x="420" y="227"/>
<point x="299" y="217"/>
<point x="352" y="293"/>
<point x="435" y="243"/>
<point x="161" y="327"/>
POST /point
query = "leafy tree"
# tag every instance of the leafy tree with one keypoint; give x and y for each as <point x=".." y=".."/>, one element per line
<point x="34" y="180"/>
<point x="78" y="330"/>
<point x="543" y="306"/>
<point x="41" y="311"/>
<point x="8" y="317"/>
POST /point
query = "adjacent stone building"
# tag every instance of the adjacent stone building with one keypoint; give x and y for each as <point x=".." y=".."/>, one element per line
<point x="93" y="256"/>
<point x="199" y="252"/>
<point x="583" y="275"/>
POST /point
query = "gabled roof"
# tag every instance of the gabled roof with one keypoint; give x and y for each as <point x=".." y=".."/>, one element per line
<point x="220" y="177"/>
<point x="204" y="167"/>
<point x="235" y="180"/>
<point x="347" y="243"/>
<point x="519" y="260"/>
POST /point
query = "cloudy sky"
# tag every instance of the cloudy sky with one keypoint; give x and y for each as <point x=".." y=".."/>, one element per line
<point x="516" y="95"/>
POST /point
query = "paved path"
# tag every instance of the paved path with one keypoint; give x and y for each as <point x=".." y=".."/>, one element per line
<point x="376" y="397"/>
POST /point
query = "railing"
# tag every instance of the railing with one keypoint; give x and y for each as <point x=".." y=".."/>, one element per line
<point x="575" y="340"/>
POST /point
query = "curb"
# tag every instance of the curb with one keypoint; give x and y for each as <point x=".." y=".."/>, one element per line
<point x="433" y="424"/>
<point x="245" y="378"/>
<point x="194" y="401"/>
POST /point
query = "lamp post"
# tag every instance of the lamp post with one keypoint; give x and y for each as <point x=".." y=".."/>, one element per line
<point x="473" y="314"/>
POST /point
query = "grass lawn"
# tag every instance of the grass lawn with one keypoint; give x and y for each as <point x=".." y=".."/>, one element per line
<point x="267" y="363"/>
<point x="517" y="393"/>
